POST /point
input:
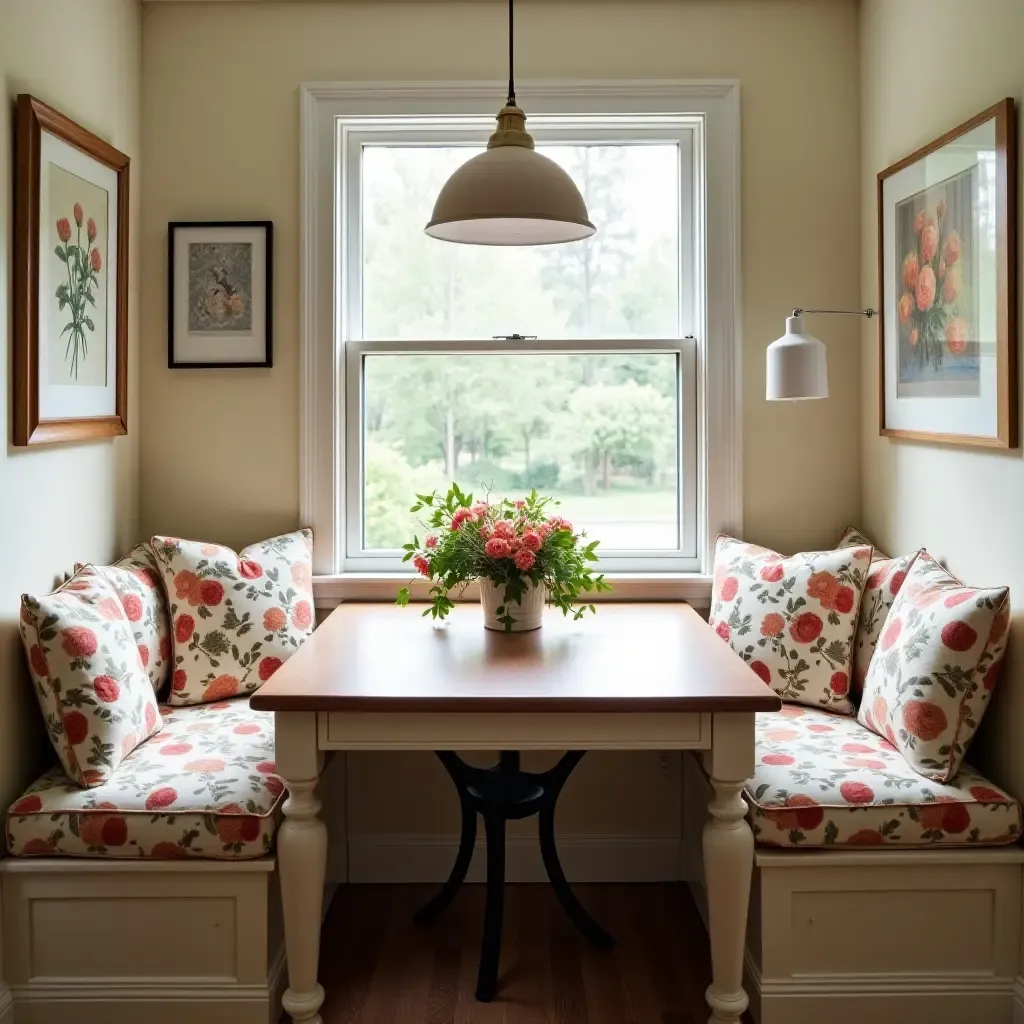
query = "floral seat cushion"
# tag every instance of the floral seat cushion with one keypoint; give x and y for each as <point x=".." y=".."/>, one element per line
<point x="204" y="787"/>
<point x="824" y="780"/>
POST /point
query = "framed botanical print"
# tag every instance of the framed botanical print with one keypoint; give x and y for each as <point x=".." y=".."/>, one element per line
<point x="219" y="304"/>
<point x="70" y="358"/>
<point x="947" y="287"/>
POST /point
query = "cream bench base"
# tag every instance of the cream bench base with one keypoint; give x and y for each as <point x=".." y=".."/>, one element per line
<point x="121" y="942"/>
<point x="888" y="936"/>
<point x="894" y="937"/>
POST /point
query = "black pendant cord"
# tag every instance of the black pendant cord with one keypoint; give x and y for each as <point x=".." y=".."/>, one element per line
<point x="511" y="54"/>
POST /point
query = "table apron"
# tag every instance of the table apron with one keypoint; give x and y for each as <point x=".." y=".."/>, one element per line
<point x="355" y="730"/>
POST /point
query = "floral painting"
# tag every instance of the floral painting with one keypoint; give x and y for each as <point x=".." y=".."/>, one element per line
<point x="937" y="308"/>
<point x="219" y="287"/>
<point x="77" y="280"/>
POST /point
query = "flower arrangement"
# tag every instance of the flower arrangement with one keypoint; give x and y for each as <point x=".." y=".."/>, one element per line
<point x="83" y="264"/>
<point x="513" y="544"/>
<point x="929" y="309"/>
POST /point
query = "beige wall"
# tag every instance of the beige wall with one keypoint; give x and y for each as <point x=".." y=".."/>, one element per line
<point x="221" y="141"/>
<point x="65" y="502"/>
<point x="926" y="66"/>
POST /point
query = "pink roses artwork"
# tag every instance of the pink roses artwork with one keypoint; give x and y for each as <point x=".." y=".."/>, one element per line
<point x="937" y="308"/>
<point x="79" y="251"/>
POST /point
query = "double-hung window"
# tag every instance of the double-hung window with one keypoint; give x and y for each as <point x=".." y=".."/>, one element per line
<point x="581" y="370"/>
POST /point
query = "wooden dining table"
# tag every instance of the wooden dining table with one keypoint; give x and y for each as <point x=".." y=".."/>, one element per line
<point x="634" y="676"/>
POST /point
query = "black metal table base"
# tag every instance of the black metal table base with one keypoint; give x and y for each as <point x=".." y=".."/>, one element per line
<point x="501" y="793"/>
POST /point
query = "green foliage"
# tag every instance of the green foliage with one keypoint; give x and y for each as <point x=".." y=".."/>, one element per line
<point x="389" y="482"/>
<point x="510" y="543"/>
<point x="620" y="423"/>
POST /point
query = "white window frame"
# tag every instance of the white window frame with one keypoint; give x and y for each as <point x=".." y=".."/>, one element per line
<point x="337" y="117"/>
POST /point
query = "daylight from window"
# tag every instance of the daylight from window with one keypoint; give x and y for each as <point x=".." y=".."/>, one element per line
<point x="597" y="430"/>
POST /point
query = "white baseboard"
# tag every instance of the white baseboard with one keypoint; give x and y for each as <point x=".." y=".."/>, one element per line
<point x="1018" y="1000"/>
<point x="590" y="858"/>
<point x="155" y="1001"/>
<point x="850" y="1000"/>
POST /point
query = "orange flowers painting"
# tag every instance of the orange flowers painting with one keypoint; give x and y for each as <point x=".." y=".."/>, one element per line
<point x="947" y="284"/>
<point x="936" y="308"/>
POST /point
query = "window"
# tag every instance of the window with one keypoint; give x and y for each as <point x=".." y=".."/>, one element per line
<point x="577" y="369"/>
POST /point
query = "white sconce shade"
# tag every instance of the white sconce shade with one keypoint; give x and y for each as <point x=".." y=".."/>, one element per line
<point x="796" y="366"/>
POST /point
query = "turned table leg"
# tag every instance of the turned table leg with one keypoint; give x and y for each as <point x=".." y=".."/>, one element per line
<point x="302" y="862"/>
<point x="728" y="863"/>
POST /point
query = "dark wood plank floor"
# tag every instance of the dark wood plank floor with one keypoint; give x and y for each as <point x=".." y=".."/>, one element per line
<point x="377" y="967"/>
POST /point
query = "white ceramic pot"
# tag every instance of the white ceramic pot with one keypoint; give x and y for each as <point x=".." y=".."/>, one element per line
<point x="527" y="615"/>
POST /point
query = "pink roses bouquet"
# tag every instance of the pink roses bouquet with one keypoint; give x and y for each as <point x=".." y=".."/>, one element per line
<point x="514" y="543"/>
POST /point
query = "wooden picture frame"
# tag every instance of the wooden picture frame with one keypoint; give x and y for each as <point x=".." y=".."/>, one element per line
<point x="82" y="394"/>
<point x="947" y="287"/>
<point x="220" y="294"/>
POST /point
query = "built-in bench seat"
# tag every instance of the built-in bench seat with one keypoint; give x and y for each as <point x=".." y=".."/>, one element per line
<point x="824" y="780"/>
<point x="887" y="874"/>
<point x="204" y="786"/>
<point x="180" y="838"/>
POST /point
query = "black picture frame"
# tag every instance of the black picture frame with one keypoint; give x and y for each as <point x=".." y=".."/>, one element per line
<point x="263" y="339"/>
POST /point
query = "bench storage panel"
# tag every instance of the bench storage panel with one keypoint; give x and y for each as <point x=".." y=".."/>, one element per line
<point x="891" y="935"/>
<point x="119" y="942"/>
<point x="885" y="936"/>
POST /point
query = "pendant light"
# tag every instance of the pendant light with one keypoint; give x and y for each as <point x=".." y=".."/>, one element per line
<point x="510" y="194"/>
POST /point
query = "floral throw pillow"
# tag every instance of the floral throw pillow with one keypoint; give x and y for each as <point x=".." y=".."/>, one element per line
<point x="935" y="666"/>
<point x="234" y="617"/>
<point x="791" y="619"/>
<point x="136" y="578"/>
<point x="94" y="693"/>
<point x="883" y="584"/>
<point x="853" y="538"/>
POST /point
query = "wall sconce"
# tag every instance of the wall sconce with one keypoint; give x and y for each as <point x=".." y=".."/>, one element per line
<point x="796" y="362"/>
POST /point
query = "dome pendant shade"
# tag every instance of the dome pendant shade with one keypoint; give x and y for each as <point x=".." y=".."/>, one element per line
<point x="510" y="195"/>
<point x="796" y="366"/>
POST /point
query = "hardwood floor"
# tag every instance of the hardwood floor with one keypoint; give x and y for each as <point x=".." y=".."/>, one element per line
<point x="377" y="967"/>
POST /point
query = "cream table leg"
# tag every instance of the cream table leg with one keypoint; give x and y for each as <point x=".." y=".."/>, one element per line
<point x="302" y="861"/>
<point x="728" y="863"/>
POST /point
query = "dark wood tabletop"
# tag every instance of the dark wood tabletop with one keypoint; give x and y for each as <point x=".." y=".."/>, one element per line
<point x="627" y="657"/>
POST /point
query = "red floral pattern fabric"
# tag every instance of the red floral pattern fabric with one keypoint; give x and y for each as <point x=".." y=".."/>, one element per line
<point x="853" y="538"/>
<point x="94" y="693"/>
<point x="136" y="578"/>
<point x="205" y="787"/>
<point x="823" y="780"/>
<point x="883" y="584"/>
<point x="935" y="667"/>
<point x="791" y="619"/>
<point x="234" y="617"/>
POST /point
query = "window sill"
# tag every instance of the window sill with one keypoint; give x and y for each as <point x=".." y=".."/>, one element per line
<point x="694" y="588"/>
